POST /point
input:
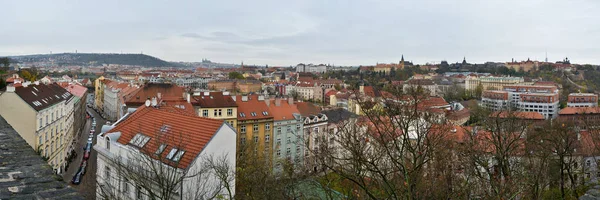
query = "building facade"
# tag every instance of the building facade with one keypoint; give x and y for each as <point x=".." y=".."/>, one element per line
<point x="288" y="143"/>
<point x="216" y="105"/>
<point x="255" y="124"/>
<point x="43" y="116"/>
<point x="582" y="100"/>
<point x="310" y="68"/>
<point x="491" y="82"/>
<point x="529" y="98"/>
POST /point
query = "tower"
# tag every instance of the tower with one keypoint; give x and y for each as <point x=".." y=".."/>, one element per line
<point x="402" y="62"/>
<point x="464" y="62"/>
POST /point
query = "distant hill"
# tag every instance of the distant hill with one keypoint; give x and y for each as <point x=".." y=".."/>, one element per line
<point x="96" y="59"/>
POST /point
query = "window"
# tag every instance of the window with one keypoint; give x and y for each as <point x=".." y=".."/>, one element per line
<point x="279" y="130"/>
<point x="107" y="173"/>
<point x="220" y="114"/>
<point x="288" y="152"/>
<point x="243" y="140"/>
<point x="46" y="135"/>
<point x="46" y="152"/>
<point x="255" y="127"/>
<point x="138" y="192"/>
<point x="297" y="127"/>
<point x="205" y="113"/>
<point x="253" y="114"/>
<point x="125" y="186"/>
<point x="278" y="152"/>
<point x="289" y="140"/>
<point x="107" y="144"/>
<point x="598" y="174"/>
<point x="40" y="122"/>
<point x="40" y="142"/>
<point x="316" y="129"/>
<point x="172" y="153"/>
<point x="51" y="132"/>
<point x="267" y="138"/>
<point x="242" y="115"/>
<point x="160" y="149"/>
<point x="587" y="175"/>
<point x="278" y="141"/>
<point x="215" y="112"/>
<point x="52" y="117"/>
<point x="229" y="112"/>
<point x="267" y="126"/>
<point x="178" y="155"/>
<point x="588" y="163"/>
<point x="243" y="128"/>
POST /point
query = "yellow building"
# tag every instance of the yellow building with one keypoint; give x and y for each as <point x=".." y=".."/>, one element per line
<point x="216" y="105"/>
<point x="99" y="92"/>
<point x="43" y="117"/>
<point x="255" y="124"/>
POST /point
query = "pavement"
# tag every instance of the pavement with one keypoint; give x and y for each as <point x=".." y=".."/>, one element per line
<point x="87" y="187"/>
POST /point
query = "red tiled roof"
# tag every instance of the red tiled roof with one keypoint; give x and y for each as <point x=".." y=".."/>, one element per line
<point x="284" y="111"/>
<point x="331" y="92"/>
<point x="189" y="133"/>
<point x="151" y="90"/>
<point x="307" y="109"/>
<point x="215" y="100"/>
<point x="580" y="110"/>
<point x="76" y="90"/>
<point x="253" y="105"/>
<point x="519" y="114"/>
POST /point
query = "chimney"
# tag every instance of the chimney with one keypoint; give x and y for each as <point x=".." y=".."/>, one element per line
<point x="261" y="97"/>
<point x="291" y="100"/>
<point x="26" y="83"/>
<point x="244" y="98"/>
<point x="188" y="98"/>
<point x="158" y="95"/>
<point x="154" y="102"/>
<point x="36" y="82"/>
<point x="234" y="98"/>
<point x="277" y="102"/>
<point x="225" y="93"/>
<point x="268" y="102"/>
<point x="206" y="93"/>
<point x="10" y="88"/>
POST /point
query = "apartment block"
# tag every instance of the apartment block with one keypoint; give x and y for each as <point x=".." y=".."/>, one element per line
<point x="582" y="100"/>
<point x="543" y="99"/>
<point x="43" y="116"/>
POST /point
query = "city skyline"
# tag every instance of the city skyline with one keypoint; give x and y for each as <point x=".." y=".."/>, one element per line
<point x="283" y="34"/>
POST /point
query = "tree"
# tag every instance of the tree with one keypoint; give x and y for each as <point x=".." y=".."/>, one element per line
<point x="294" y="94"/>
<point x="390" y="153"/>
<point x="478" y="91"/>
<point x="282" y="76"/>
<point x="236" y="75"/>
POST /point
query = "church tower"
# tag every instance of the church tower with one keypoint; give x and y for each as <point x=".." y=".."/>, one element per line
<point x="402" y="62"/>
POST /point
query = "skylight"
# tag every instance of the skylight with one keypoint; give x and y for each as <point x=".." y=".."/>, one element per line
<point x="172" y="153"/>
<point x="160" y="149"/>
<point x="265" y="113"/>
<point x="242" y="115"/>
<point x="253" y="114"/>
<point x="165" y="128"/>
<point x="34" y="93"/>
<point x="139" y="140"/>
<point x="178" y="156"/>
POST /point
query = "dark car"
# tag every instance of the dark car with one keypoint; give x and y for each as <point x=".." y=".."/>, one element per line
<point x="86" y="155"/>
<point x="83" y="167"/>
<point x="88" y="146"/>
<point x="76" y="179"/>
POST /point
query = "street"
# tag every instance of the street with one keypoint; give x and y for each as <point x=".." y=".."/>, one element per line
<point x="87" y="187"/>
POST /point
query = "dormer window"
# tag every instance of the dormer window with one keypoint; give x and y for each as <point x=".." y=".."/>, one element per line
<point x="253" y="114"/>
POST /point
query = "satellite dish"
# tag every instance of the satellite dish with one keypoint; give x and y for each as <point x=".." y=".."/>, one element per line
<point x="147" y="103"/>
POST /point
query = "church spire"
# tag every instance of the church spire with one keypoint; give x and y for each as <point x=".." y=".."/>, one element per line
<point x="464" y="60"/>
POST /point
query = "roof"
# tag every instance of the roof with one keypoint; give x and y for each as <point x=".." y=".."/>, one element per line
<point x="284" y="111"/>
<point x="25" y="175"/>
<point x="306" y="109"/>
<point x="174" y="129"/>
<point x="370" y="91"/>
<point x="215" y="100"/>
<point x="151" y="90"/>
<point x="338" y="115"/>
<point x="579" y="110"/>
<point x="42" y="96"/>
<point x="76" y="90"/>
<point x="252" y="108"/>
<point x="519" y="114"/>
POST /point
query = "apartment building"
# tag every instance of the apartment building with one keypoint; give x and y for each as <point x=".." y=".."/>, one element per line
<point x="491" y="82"/>
<point x="80" y="101"/>
<point x="543" y="99"/>
<point x="309" y="91"/>
<point x="288" y="143"/>
<point x="582" y="100"/>
<point x="174" y="137"/>
<point x="111" y="105"/>
<point x="216" y="105"/>
<point x="43" y="116"/>
<point x="255" y="124"/>
<point x="321" y="68"/>
<point x="99" y="92"/>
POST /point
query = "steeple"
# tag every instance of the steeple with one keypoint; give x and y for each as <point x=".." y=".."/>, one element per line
<point x="464" y="60"/>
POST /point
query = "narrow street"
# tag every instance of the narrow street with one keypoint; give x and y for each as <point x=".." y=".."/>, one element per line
<point x="87" y="187"/>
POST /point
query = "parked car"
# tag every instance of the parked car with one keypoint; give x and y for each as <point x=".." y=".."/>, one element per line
<point x="90" y="139"/>
<point x="76" y="179"/>
<point x="83" y="167"/>
<point x="86" y="155"/>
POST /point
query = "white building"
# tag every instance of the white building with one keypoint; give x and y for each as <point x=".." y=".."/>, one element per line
<point x="531" y="98"/>
<point x="310" y="68"/>
<point x="43" y="116"/>
<point x="171" y="138"/>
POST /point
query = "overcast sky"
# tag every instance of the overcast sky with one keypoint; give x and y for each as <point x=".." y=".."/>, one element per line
<point x="285" y="33"/>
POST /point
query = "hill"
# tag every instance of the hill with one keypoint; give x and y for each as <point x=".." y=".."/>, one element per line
<point x="95" y="59"/>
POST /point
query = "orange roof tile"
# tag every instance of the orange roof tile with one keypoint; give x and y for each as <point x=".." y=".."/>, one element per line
<point x="580" y="110"/>
<point x="284" y="111"/>
<point x="190" y="133"/>
<point x="519" y="114"/>
<point x="252" y="109"/>
<point x="307" y="109"/>
<point x="151" y="90"/>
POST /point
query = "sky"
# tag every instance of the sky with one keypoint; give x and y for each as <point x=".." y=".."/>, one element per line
<point x="284" y="33"/>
